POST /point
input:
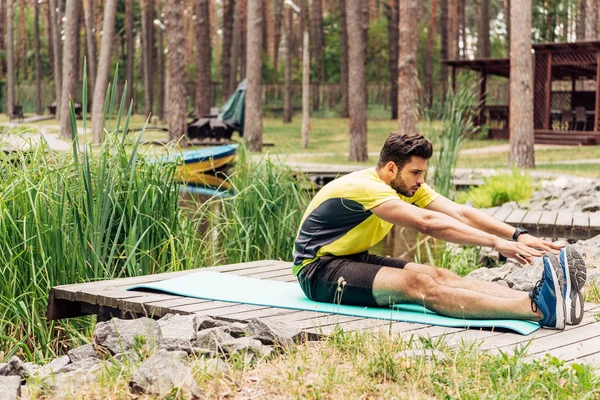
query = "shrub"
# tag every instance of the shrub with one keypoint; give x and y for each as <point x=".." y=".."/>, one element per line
<point x="500" y="189"/>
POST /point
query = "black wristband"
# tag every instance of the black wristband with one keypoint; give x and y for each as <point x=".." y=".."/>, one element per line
<point x="518" y="232"/>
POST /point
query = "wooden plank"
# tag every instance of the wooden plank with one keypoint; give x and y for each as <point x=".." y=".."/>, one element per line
<point x="515" y="217"/>
<point x="590" y="359"/>
<point x="548" y="219"/>
<point x="581" y="221"/>
<point x="566" y="339"/>
<point x="531" y="219"/>
<point x="490" y="211"/>
<point x="594" y="221"/>
<point x="577" y="350"/>
<point x="565" y="219"/>
<point x="502" y="213"/>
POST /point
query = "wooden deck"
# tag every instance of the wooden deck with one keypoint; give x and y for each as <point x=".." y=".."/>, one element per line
<point x="579" y="343"/>
<point x="567" y="224"/>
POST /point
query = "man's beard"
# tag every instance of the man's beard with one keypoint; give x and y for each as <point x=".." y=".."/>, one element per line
<point x="400" y="187"/>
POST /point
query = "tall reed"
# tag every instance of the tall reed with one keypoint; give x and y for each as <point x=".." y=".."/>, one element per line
<point x="456" y="115"/>
<point x="261" y="220"/>
<point x="93" y="213"/>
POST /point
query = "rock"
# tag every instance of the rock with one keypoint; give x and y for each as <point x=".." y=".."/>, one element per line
<point x="84" y="366"/>
<point x="493" y="274"/>
<point x="502" y="283"/>
<point x="161" y="374"/>
<point x="273" y="333"/>
<point x="68" y="382"/>
<point x="119" y="335"/>
<point x="210" y="366"/>
<point x="525" y="278"/>
<point x="246" y="345"/>
<point x="10" y="387"/>
<point x="178" y="331"/>
<point x="15" y="367"/>
<point x="237" y="329"/>
<point x="211" y="339"/>
<point x="54" y="366"/>
<point x="202" y="322"/>
<point x="82" y="352"/>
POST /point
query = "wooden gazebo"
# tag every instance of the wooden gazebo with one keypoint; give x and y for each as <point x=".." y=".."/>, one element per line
<point x="561" y="116"/>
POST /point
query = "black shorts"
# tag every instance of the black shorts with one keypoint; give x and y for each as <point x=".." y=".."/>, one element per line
<point x="320" y="279"/>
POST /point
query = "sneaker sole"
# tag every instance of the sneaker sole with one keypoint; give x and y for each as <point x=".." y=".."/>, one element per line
<point x="558" y="281"/>
<point x="574" y="283"/>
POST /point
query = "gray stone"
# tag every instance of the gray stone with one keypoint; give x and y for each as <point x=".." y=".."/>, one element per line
<point x="202" y="322"/>
<point x="82" y="352"/>
<point x="84" y="366"/>
<point x="54" y="366"/>
<point x="177" y="332"/>
<point x="211" y="339"/>
<point x="210" y="366"/>
<point x="246" y="345"/>
<point x="525" y="278"/>
<point x="502" y="283"/>
<point x="273" y="333"/>
<point x="118" y="335"/>
<point x="493" y="274"/>
<point x="10" y="387"/>
<point x="161" y="374"/>
<point x="237" y="329"/>
<point x="14" y="367"/>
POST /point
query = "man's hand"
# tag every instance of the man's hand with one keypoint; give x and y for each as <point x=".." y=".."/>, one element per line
<point x="520" y="252"/>
<point x="539" y="244"/>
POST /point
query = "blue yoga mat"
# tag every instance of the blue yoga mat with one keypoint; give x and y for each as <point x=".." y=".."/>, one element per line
<point x="240" y="289"/>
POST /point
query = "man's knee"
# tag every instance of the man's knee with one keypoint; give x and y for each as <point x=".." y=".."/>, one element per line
<point x="445" y="276"/>
<point x="424" y="287"/>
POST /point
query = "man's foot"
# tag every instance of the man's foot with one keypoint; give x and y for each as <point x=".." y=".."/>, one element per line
<point x="547" y="296"/>
<point x="575" y="275"/>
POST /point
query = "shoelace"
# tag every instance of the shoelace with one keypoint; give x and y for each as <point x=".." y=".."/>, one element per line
<point x="535" y="293"/>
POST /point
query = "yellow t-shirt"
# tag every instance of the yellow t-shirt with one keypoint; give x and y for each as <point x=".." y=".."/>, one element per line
<point x="338" y="220"/>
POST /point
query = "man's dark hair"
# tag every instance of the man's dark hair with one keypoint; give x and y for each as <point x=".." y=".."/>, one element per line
<point x="400" y="146"/>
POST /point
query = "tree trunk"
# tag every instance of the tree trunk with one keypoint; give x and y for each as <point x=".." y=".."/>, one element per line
<point x="108" y="29"/>
<point x="22" y="58"/>
<point x="318" y="44"/>
<point x="2" y="38"/>
<point x="236" y="47"/>
<point x="356" y="82"/>
<point x="130" y="50"/>
<point x="147" y="57"/>
<point x="344" y="107"/>
<point x="10" y="59"/>
<point x="253" y="112"/>
<point x="38" y="85"/>
<point x="429" y="56"/>
<point x="69" y="74"/>
<point x="228" y="12"/>
<point x="243" y="37"/>
<point x="90" y="40"/>
<point x="277" y="15"/>
<point x="521" y="86"/>
<point x="365" y="32"/>
<point x="287" y="95"/>
<point x="203" y="59"/>
<point x="160" y="73"/>
<point x="176" y="95"/>
<point x="48" y="33"/>
<point x="305" y="85"/>
<point x="591" y="20"/>
<point x="580" y="24"/>
<point x="443" y="46"/>
<point x="56" y="42"/>
<point x="483" y="29"/>
<point x="463" y="29"/>
<point x="408" y="81"/>
<point x="507" y="13"/>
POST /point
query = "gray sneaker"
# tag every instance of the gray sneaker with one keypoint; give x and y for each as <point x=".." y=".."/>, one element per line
<point x="575" y="274"/>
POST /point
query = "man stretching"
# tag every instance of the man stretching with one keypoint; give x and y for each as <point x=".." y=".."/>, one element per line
<point x="351" y="214"/>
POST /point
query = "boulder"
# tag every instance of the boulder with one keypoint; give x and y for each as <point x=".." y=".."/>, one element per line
<point x="246" y="345"/>
<point x="273" y="333"/>
<point x="14" y="367"/>
<point x="82" y="352"/>
<point x="493" y="274"/>
<point x="119" y="335"/>
<point x="10" y="387"/>
<point x="525" y="278"/>
<point x="162" y="374"/>
<point x="211" y="339"/>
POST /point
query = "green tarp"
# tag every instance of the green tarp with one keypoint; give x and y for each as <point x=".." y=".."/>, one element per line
<point x="233" y="110"/>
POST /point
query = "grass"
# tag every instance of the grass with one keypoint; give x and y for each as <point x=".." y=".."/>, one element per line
<point x="371" y="365"/>
<point x="500" y="189"/>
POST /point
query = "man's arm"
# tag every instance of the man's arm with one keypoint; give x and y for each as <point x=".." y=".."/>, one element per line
<point x="480" y="220"/>
<point x="444" y="227"/>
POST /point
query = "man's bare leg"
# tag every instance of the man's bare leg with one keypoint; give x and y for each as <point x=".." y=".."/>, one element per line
<point x="449" y="278"/>
<point x="393" y="286"/>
